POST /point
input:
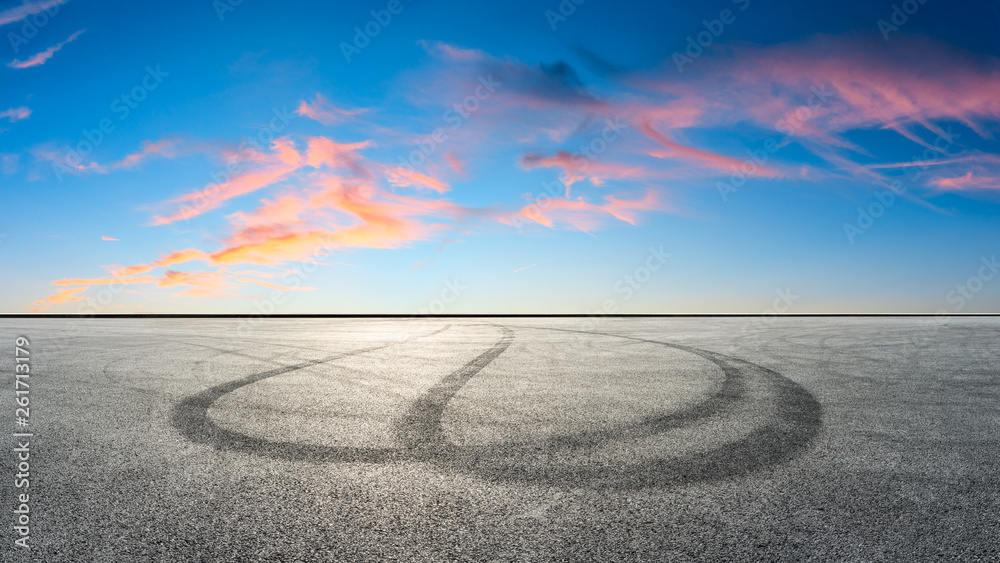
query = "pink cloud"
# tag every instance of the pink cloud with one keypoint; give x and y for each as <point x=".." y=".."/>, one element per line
<point x="404" y="177"/>
<point x="325" y="152"/>
<point x="713" y="160"/>
<point x="968" y="181"/>
<point x="285" y="209"/>
<point x="453" y="53"/>
<point x="456" y="163"/>
<point x="164" y="148"/>
<point x="323" y="111"/>
<point x="27" y="8"/>
<point x="269" y="169"/>
<point x="843" y="83"/>
<point x="41" y="58"/>
<point x="15" y="114"/>
<point x="585" y="216"/>
<point x="577" y="168"/>
<point x="340" y="214"/>
<point x="108" y="238"/>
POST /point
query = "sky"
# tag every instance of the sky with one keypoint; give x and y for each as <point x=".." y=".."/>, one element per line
<point x="545" y="156"/>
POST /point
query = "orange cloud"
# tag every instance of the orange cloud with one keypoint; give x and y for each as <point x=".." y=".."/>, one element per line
<point x="177" y="257"/>
<point x="41" y="58"/>
<point x="341" y="214"/>
<point x="105" y="281"/>
<point x="200" y="284"/>
<point x="274" y="248"/>
<point x="59" y="297"/>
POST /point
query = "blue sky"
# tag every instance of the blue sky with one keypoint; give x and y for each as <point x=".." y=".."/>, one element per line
<point x="521" y="157"/>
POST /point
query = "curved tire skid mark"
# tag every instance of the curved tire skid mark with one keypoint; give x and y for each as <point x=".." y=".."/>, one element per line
<point x="420" y="428"/>
<point x="791" y="427"/>
<point x="794" y="422"/>
<point x="190" y="417"/>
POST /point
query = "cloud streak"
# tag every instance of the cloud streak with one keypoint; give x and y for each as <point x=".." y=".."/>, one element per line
<point x="323" y="111"/>
<point x="584" y="216"/>
<point x="41" y="58"/>
<point x="15" y="114"/>
<point x="26" y="9"/>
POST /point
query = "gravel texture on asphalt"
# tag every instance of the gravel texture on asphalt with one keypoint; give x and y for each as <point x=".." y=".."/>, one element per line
<point x="507" y="439"/>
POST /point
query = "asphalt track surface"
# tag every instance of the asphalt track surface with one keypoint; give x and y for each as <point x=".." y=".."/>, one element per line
<point x="509" y="439"/>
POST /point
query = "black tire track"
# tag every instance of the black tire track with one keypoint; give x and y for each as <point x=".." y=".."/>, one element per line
<point x="420" y="429"/>
<point x="190" y="417"/>
<point x="794" y="421"/>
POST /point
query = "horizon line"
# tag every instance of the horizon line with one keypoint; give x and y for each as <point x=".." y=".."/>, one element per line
<point x="486" y="315"/>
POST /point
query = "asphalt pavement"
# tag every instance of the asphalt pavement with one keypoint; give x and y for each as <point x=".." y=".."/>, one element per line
<point x="505" y="439"/>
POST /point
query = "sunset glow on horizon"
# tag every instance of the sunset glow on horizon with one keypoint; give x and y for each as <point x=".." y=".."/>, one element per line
<point x="404" y="157"/>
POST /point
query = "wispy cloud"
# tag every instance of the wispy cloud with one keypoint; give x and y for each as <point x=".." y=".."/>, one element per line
<point x="585" y="216"/>
<point x="265" y="169"/>
<point x="9" y="162"/>
<point x="148" y="150"/>
<point x="59" y="297"/>
<point x="15" y="114"/>
<point x="968" y="181"/>
<point x="105" y="281"/>
<point x="404" y="177"/>
<point x="177" y="257"/>
<point x="108" y="238"/>
<point x="41" y="58"/>
<point x="165" y="148"/>
<point x="817" y="91"/>
<point x="28" y="8"/>
<point x="323" y="111"/>
<point x="578" y="167"/>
